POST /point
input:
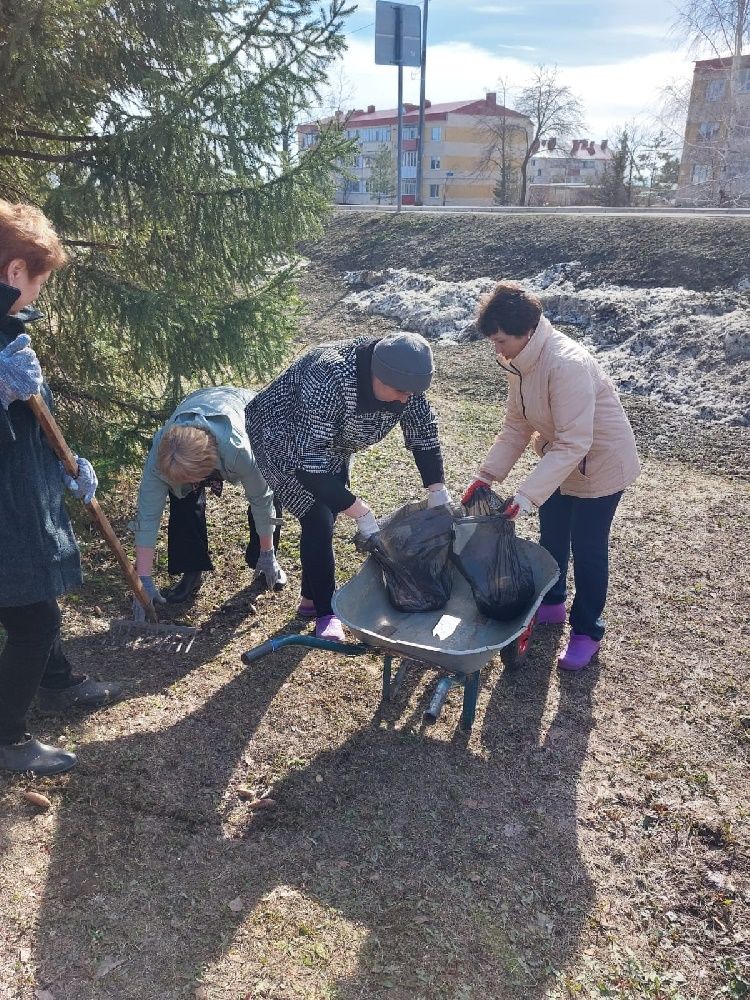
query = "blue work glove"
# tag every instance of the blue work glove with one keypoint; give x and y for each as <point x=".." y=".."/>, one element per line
<point x="20" y="372"/>
<point x="84" y="484"/>
<point x="268" y="566"/>
<point x="139" y="612"/>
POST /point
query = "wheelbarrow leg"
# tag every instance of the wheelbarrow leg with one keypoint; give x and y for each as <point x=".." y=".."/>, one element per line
<point x="471" y="693"/>
<point x="387" y="664"/>
<point x="391" y="689"/>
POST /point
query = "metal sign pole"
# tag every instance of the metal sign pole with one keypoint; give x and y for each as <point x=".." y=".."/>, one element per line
<point x="420" y="135"/>
<point x="397" y="54"/>
<point x="397" y="43"/>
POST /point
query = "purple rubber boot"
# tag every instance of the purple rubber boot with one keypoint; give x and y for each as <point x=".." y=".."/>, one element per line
<point x="551" y="614"/>
<point x="580" y="652"/>
<point x="329" y="627"/>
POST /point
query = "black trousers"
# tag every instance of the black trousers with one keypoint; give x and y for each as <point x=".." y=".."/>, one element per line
<point x="581" y="525"/>
<point x="32" y="656"/>
<point x="316" y="553"/>
<point x="187" y="534"/>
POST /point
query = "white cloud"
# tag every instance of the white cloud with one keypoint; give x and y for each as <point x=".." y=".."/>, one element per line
<point x="611" y="93"/>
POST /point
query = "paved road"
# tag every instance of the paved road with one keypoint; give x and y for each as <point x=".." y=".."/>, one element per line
<point x="637" y="213"/>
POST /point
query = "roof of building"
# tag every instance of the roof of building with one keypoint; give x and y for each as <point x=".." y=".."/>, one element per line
<point x="433" y="112"/>
<point x="723" y="63"/>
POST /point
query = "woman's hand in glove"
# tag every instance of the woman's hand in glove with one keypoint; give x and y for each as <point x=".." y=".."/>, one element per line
<point x="84" y="484"/>
<point x="268" y="566"/>
<point x="472" y="488"/>
<point x="438" y="497"/>
<point x="518" y="505"/>
<point x="20" y="372"/>
<point x="156" y="596"/>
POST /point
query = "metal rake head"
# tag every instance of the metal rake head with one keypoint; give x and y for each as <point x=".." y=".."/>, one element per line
<point x="144" y="635"/>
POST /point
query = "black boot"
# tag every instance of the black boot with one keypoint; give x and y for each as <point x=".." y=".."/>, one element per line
<point x="87" y="693"/>
<point x="187" y="587"/>
<point x="31" y="755"/>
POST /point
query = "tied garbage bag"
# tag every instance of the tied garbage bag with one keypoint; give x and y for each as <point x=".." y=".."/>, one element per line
<point x="413" y="549"/>
<point x="486" y="553"/>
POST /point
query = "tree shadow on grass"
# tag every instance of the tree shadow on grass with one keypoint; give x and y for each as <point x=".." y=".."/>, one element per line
<point x="460" y="868"/>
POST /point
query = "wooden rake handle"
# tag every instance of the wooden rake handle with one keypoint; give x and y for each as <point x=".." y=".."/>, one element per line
<point x="60" y="446"/>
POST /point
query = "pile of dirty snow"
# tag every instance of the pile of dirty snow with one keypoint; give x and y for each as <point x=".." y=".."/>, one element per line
<point x="687" y="349"/>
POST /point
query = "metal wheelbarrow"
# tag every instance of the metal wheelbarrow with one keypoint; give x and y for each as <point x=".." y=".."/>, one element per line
<point x="458" y="639"/>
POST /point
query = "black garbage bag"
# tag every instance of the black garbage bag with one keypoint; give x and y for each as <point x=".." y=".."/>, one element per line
<point x="413" y="549"/>
<point x="486" y="552"/>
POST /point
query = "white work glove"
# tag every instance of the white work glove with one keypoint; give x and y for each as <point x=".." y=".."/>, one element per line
<point x="367" y="525"/>
<point x="139" y="612"/>
<point x="268" y="566"/>
<point x="518" y="505"/>
<point x="438" y="498"/>
<point x="20" y="372"/>
<point x="84" y="484"/>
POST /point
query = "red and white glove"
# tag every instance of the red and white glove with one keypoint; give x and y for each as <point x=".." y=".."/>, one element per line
<point x="473" y="487"/>
<point x="518" y="505"/>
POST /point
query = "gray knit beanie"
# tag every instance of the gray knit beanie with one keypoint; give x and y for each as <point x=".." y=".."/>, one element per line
<point x="403" y="361"/>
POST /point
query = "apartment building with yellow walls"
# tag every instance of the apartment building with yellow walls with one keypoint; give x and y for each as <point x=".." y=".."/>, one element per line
<point x="715" y="162"/>
<point x="457" y="137"/>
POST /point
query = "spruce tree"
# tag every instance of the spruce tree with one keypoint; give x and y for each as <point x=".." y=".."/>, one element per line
<point x="155" y="136"/>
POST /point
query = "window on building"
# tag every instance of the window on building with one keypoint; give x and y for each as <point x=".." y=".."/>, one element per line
<point x="410" y="131"/>
<point x="708" y="130"/>
<point x="701" y="173"/>
<point x="382" y="134"/>
<point x="409" y="158"/>
<point x="745" y="79"/>
<point x="533" y="163"/>
<point x="714" y="90"/>
<point x="434" y="190"/>
<point x="434" y="163"/>
<point x="408" y="186"/>
<point x="309" y="139"/>
<point x="436" y="133"/>
<point x="539" y="172"/>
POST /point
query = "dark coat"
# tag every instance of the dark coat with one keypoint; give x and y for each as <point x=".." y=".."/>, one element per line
<point x="39" y="557"/>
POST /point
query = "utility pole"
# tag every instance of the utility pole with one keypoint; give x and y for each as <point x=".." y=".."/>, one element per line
<point x="420" y="134"/>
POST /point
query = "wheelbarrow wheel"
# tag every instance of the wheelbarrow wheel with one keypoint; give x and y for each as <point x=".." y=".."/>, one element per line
<point x="516" y="653"/>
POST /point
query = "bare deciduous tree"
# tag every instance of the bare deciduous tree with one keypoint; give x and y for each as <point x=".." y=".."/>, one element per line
<point x="553" y="109"/>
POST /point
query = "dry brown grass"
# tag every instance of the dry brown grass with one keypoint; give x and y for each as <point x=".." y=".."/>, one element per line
<point x="588" y="840"/>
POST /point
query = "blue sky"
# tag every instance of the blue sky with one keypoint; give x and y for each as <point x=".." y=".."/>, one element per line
<point x="616" y="56"/>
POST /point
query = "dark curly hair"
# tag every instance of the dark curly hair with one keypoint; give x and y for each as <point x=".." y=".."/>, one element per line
<point x="509" y="308"/>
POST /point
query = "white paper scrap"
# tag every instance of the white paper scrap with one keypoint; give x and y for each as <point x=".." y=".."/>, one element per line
<point x="446" y="626"/>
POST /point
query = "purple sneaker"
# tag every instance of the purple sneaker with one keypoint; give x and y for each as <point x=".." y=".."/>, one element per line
<point x="580" y="652"/>
<point x="551" y="614"/>
<point x="329" y="627"/>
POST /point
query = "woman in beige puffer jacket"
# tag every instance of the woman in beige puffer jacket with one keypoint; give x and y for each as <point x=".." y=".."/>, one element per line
<point x="561" y="400"/>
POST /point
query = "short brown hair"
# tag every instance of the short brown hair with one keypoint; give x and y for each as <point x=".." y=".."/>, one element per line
<point x="27" y="234"/>
<point x="186" y="454"/>
<point x="509" y="308"/>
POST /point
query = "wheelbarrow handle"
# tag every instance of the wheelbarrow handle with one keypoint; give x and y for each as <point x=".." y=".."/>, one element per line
<point x="60" y="447"/>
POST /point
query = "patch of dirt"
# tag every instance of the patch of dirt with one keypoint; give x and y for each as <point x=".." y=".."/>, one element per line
<point x="588" y="839"/>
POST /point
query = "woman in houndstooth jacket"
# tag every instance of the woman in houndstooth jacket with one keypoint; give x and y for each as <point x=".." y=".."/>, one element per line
<point x="305" y="427"/>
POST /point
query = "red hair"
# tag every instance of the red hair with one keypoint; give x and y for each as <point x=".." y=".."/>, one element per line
<point x="27" y="234"/>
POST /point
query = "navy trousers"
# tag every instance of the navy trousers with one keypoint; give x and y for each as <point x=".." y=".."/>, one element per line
<point x="581" y="526"/>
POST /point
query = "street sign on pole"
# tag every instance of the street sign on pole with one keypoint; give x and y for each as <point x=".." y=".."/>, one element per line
<point x="394" y="47"/>
<point x="398" y="43"/>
